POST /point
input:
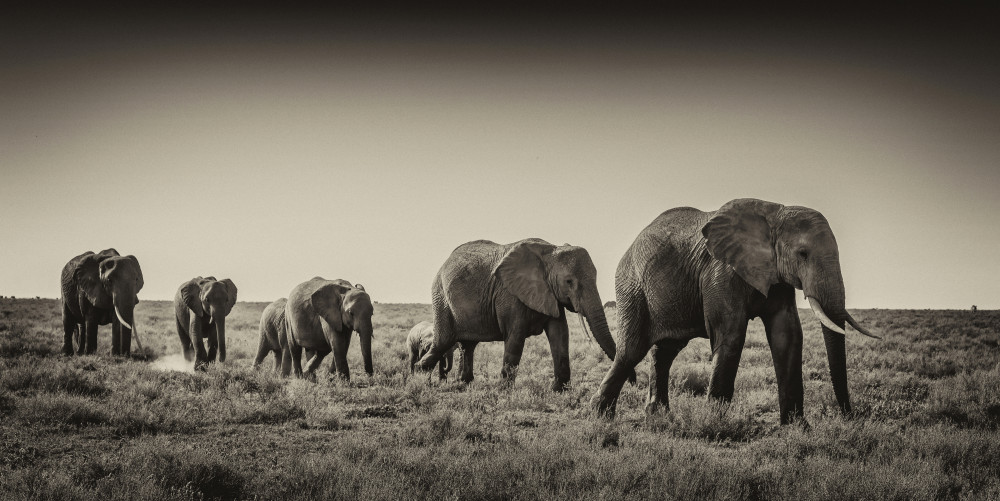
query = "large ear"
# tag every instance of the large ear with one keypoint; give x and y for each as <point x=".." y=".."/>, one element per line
<point x="88" y="281"/>
<point x="191" y="294"/>
<point x="138" y="271"/>
<point x="231" y="289"/>
<point x="327" y="302"/>
<point x="360" y="287"/>
<point x="739" y="235"/>
<point x="522" y="272"/>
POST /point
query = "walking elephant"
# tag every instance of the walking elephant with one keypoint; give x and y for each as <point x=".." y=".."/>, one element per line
<point x="486" y="291"/>
<point x="320" y="315"/>
<point x="420" y="339"/>
<point x="273" y="332"/>
<point x="99" y="289"/>
<point x="201" y="306"/>
<point x="706" y="274"/>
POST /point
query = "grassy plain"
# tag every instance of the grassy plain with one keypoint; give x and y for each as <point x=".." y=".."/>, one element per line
<point x="927" y="402"/>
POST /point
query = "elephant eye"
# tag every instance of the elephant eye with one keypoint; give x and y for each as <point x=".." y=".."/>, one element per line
<point x="804" y="254"/>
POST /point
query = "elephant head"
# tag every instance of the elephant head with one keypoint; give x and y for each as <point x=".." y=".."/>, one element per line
<point x="211" y="300"/>
<point x="768" y="243"/>
<point x="545" y="277"/>
<point x="111" y="281"/>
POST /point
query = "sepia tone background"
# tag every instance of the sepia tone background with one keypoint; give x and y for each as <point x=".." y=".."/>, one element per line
<point x="271" y="146"/>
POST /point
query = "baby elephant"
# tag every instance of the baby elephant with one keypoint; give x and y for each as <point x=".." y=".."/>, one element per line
<point x="420" y="339"/>
<point x="272" y="333"/>
<point x="201" y="306"/>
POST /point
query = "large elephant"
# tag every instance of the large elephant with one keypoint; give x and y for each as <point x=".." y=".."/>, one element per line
<point x="320" y="315"/>
<point x="486" y="291"/>
<point x="420" y="340"/>
<point x="273" y="332"/>
<point x="100" y="289"/>
<point x="706" y="274"/>
<point x="201" y="306"/>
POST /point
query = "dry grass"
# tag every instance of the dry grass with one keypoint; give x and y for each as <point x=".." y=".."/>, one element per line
<point x="927" y="402"/>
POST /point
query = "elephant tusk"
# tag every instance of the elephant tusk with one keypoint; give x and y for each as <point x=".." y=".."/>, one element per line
<point x="823" y="319"/>
<point x="857" y="327"/>
<point x="122" y="320"/>
<point x="585" y="331"/>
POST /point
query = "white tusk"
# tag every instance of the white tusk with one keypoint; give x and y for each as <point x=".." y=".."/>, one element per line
<point x="584" y="326"/>
<point x="122" y="320"/>
<point x="823" y="319"/>
<point x="854" y="323"/>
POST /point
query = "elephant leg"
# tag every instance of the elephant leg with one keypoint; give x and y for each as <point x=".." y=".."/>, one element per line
<point x="126" y="341"/>
<point x="295" y="352"/>
<point x="201" y="357"/>
<point x="444" y="334"/>
<point x="69" y="330"/>
<point x="116" y="337"/>
<point x="727" y="337"/>
<point x="465" y="364"/>
<point x="634" y="333"/>
<point x="277" y="360"/>
<point x="663" y="354"/>
<point x="784" y="336"/>
<point x="558" y="334"/>
<point x="213" y="344"/>
<point x="91" y="345"/>
<point x="314" y="362"/>
<point x="286" y="362"/>
<point x="513" y="347"/>
<point x="182" y="333"/>
<point x="342" y="343"/>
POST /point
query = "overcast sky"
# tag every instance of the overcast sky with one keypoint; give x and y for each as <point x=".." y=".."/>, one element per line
<point x="270" y="147"/>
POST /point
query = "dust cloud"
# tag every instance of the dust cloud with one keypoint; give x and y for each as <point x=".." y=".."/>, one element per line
<point x="173" y="362"/>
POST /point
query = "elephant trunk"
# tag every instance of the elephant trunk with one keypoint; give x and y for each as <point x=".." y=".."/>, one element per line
<point x="827" y="302"/>
<point x="593" y="310"/>
<point x="124" y="309"/>
<point x="366" y="349"/>
<point x="219" y="321"/>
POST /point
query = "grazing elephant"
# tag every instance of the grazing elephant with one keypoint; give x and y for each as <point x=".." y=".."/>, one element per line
<point x="273" y="331"/>
<point x="201" y="306"/>
<point x="706" y="274"/>
<point x="100" y="289"/>
<point x="420" y="339"/>
<point x="320" y="315"/>
<point x="491" y="292"/>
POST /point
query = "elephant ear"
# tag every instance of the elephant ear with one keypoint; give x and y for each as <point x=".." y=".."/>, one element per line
<point x="522" y="272"/>
<point x="231" y="290"/>
<point x="739" y="235"/>
<point x="88" y="280"/>
<point x="138" y="272"/>
<point x="360" y="287"/>
<point x="327" y="302"/>
<point x="191" y="294"/>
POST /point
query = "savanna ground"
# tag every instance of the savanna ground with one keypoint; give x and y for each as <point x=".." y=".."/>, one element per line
<point x="927" y="401"/>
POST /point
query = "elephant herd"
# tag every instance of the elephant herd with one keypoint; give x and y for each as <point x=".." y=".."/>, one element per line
<point x="688" y="274"/>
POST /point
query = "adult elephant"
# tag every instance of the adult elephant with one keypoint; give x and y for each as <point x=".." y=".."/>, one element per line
<point x="420" y="340"/>
<point x="201" y="306"/>
<point x="486" y="291"/>
<point x="100" y="289"/>
<point x="320" y="315"/>
<point x="706" y="274"/>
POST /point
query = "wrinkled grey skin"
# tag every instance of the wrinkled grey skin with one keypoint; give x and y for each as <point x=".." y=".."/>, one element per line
<point x="486" y="291"/>
<point x="201" y="306"/>
<point x="320" y="315"/>
<point x="706" y="274"/>
<point x="100" y="289"/>
<point x="273" y="333"/>
<point x="420" y="339"/>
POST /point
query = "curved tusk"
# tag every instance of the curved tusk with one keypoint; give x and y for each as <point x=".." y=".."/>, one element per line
<point x="584" y="326"/>
<point x="854" y="323"/>
<point x="823" y="319"/>
<point x="122" y="320"/>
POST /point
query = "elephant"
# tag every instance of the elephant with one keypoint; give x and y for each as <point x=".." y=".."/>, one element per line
<point x="706" y="274"/>
<point x="100" y="289"/>
<point x="320" y="315"/>
<point x="201" y="306"/>
<point x="420" y="339"/>
<point x="273" y="332"/>
<point x="487" y="291"/>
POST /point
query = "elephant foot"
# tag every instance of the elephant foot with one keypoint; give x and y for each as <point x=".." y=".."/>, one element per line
<point x="560" y="386"/>
<point x="606" y="408"/>
<point x="67" y="351"/>
<point x="657" y="407"/>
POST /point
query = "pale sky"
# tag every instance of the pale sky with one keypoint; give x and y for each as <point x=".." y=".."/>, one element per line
<point x="274" y="147"/>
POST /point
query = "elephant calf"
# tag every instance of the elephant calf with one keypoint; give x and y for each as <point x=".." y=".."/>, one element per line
<point x="273" y="332"/>
<point x="420" y="340"/>
<point x="201" y="306"/>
